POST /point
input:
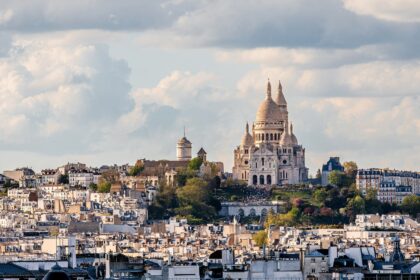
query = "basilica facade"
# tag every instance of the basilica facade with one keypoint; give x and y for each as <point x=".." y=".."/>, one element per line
<point x="270" y="154"/>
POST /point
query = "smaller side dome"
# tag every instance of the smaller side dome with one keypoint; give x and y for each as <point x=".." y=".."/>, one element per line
<point x="286" y="138"/>
<point x="294" y="139"/>
<point x="247" y="139"/>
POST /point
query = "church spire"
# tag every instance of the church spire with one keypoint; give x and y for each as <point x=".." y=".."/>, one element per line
<point x="268" y="89"/>
<point x="280" y="100"/>
<point x="247" y="127"/>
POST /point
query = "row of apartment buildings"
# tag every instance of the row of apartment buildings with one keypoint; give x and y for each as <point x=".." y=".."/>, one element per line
<point x="392" y="186"/>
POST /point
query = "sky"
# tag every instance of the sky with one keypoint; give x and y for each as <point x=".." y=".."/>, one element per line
<point x="104" y="82"/>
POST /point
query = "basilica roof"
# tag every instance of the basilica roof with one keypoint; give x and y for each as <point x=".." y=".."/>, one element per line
<point x="268" y="110"/>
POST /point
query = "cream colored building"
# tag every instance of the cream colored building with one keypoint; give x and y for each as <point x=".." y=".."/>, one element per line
<point x="183" y="149"/>
<point x="270" y="154"/>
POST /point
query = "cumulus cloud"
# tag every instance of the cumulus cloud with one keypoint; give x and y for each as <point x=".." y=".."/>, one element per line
<point x="184" y="99"/>
<point x="61" y="95"/>
<point x="400" y="11"/>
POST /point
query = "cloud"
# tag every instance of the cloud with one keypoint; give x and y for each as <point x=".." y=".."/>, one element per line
<point x="183" y="99"/>
<point x="270" y="23"/>
<point x="60" y="97"/>
<point x="315" y="58"/>
<point x="288" y="23"/>
<point x="50" y="15"/>
<point x="399" y="11"/>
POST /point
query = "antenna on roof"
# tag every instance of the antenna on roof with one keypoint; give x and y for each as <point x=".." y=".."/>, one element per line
<point x="184" y="130"/>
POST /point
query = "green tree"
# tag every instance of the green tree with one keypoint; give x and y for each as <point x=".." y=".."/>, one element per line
<point x="93" y="187"/>
<point x="104" y="186"/>
<point x="350" y="168"/>
<point x="136" y="170"/>
<point x="320" y="195"/>
<point x="336" y="178"/>
<point x="195" y="190"/>
<point x="260" y="238"/>
<point x="356" y="206"/>
<point x="371" y="194"/>
<point x="291" y="218"/>
<point x="183" y="175"/>
<point x="195" y="163"/>
<point x="411" y="205"/>
<point x="63" y="179"/>
<point x="164" y="202"/>
<point x="196" y="200"/>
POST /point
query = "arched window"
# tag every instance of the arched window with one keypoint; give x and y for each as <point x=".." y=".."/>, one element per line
<point x="271" y="136"/>
<point x="252" y="212"/>
<point x="264" y="212"/>
<point x="262" y="161"/>
<point x="254" y="180"/>
<point x="262" y="137"/>
<point x="286" y="175"/>
<point x="266" y="136"/>
<point x="275" y="136"/>
<point x="241" y="212"/>
<point x="268" y="179"/>
<point x="261" y="179"/>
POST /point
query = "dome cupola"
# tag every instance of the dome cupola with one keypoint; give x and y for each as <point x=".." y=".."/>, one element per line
<point x="268" y="110"/>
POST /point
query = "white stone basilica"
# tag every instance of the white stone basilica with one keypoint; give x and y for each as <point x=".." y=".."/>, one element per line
<point x="270" y="155"/>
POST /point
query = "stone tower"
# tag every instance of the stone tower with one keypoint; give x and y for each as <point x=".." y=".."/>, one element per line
<point x="183" y="149"/>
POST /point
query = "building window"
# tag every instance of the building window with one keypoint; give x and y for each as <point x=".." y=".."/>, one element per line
<point x="262" y="137"/>
<point x="262" y="161"/>
<point x="261" y="179"/>
<point x="271" y="136"/>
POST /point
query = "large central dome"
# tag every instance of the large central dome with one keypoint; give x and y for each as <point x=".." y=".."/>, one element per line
<point x="268" y="110"/>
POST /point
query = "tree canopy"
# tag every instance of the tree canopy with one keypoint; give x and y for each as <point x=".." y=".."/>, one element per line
<point x="195" y="163"/>
<point x="411" y="204"/>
